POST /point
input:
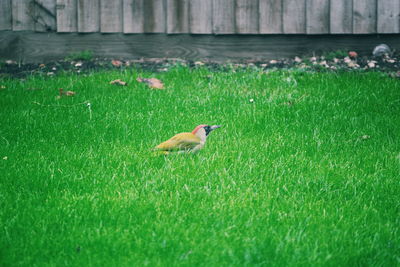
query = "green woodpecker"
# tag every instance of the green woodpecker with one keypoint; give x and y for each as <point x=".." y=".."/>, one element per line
<point x="187" y="142"/>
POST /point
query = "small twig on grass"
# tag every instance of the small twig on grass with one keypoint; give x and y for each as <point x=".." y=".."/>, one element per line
<point x="8" y="143"/>
<point x="63" y="106"/>
<point x="296" y="100"/>
<point x="90" y="110"/>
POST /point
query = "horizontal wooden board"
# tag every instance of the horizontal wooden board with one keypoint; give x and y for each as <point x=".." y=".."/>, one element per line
<point x="39" y="47"/>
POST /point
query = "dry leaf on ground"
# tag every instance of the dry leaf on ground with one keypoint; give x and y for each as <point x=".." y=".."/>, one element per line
<point x="65" y="93"/>
<point x="70" y="93"/>
<point x="119" y="82"/>
<point x="116" y="63"/>
<point x="152" y="82"/>
<point x="353" y="54"/>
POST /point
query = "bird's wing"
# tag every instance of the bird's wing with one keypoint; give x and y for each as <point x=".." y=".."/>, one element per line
<point x="182" y="141"/>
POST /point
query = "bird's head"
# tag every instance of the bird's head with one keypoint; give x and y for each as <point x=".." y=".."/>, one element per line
<point x="203" y="130"/>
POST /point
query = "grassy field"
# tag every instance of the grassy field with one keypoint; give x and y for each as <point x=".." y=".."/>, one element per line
<point x="304" y="172"/>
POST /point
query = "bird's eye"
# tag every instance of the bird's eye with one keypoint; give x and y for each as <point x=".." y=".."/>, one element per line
<point x="207" y="129"/>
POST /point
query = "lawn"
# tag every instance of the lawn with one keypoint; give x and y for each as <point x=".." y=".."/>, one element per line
<point x="304" y="172"/>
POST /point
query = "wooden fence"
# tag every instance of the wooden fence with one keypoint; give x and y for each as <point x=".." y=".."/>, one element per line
<point x="202" y="16"/>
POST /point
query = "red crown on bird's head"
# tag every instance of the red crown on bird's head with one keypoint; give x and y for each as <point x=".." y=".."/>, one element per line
<point x="198" y="128"/>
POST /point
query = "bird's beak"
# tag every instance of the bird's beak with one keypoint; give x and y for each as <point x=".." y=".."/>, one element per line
<point x="215" y="127"/>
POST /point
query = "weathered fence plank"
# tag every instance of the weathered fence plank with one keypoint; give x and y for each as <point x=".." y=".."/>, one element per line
<point x="388" y="16"/>
<point x="223" y="16"/>
<point x="200" y="19"/>
<point x="5" y="15"/>
<point x="364" y="16"/>
<point x="66" y="16"/>
<point x="45" y="15"/>
<point x="271" y="16"/>
<point x="133" y="16"/>
<point x="247" y="18"/>
<point x="203" y="16"/>
<point x="341" y="16"/>
<point x="178" y="16"/>
<point x="154" y="16"/>
<point x="294" y="16"/>
<point x="22" y="15"/>
<point x="110" y="16"/>
<point x="88" y="16"/>
<point x="317" y="16"/>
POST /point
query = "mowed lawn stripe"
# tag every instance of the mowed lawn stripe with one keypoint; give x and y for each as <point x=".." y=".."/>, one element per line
<point x="305" y="170"/>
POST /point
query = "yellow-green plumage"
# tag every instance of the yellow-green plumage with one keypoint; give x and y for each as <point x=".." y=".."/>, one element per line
<point x="180" y="142"/>
<point x="186" y="142"/>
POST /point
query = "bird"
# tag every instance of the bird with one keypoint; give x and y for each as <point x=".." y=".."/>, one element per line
<point x="187" y="142"/>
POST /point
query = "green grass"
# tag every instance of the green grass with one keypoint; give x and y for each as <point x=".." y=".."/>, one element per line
<point x="82" y="55"/>
<point x="287" y="181"/>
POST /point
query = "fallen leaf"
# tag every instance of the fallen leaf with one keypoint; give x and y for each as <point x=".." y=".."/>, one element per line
<point x="152" y="82"/>
<point x="116" y="63"/>
<point x="353" y="54"/>
<point x="70" y="93"/>
<point x="347" y="60"/>
<point x="119" y="82"/>
<point x="297" y="60"/>
<point x="42" y="65"/>
<point x="61" y="93"/>
<point x="372" y="64"/>
<point x="352" y="64"/>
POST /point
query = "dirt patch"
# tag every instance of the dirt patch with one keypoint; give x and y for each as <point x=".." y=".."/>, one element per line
<point x="390" y="64"/>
